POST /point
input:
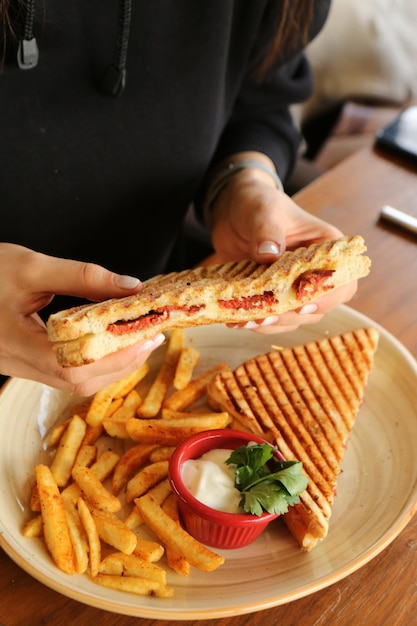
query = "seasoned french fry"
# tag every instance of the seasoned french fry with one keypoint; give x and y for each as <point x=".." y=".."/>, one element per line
<point x="94" y="491"/>
<point x="173" y="432"/>
<point x="160" y="492"/>
<point x="67" y="450"/>
<point x="129" y="463"/>
<point x="114" y="424"/>
<point x="93" y="434"/>
<point x="195" y="389"/>
<point x="175" y="560"/>
<point x="131" y="584"/>
<point x="33" y="527"/>
<point x="115" y="404"/>
<point x="119" y="564"/>
<point x="94" y="543"/>
<point x="134" y="519"/>
<point x="156" y="394"/>
<point x="101" y="469"/>
<point x="78" y="537"/>
<point x="170" y="414"/>
<point x="148" y="550"/>
<point x="187" y="361"/>
<point x="113" y="531"/>
<point x="161" y="453"/>
<point x="172" y="535"/>
<point x="145" y="479"/>
<point x="102" y="400"/>
<point x="35" y="505"/>
<point x="100" y="405"/>
<point x="57" y="433"/>
<point x="130" y="381"/>
<point x="86" y="456"/>
<point x="55" y="526"/>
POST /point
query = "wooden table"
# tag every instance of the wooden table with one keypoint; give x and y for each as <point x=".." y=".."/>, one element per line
<point x="385" y="590"/>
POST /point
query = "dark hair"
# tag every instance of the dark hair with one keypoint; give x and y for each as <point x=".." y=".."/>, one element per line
<point x="290" y="29"/>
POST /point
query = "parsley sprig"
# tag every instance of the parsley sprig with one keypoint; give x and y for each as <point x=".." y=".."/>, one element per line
<point x="265" y="482"/>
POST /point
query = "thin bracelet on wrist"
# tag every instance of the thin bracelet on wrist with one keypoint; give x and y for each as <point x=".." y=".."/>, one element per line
<point x="226" y="173"/>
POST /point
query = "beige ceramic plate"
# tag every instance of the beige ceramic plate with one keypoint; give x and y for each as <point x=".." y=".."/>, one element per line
<point x="377" y="490"/>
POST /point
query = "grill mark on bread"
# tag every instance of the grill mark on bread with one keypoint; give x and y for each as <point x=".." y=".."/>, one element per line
<point x="229" y="293"/>
<point x="304" y="400"/>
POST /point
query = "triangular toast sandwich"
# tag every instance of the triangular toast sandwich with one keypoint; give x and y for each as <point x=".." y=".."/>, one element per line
<point x="233" y="292"/>
<point x="305" y="400"/>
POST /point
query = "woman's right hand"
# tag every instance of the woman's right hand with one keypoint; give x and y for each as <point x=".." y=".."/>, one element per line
<point x="28" y="282"/>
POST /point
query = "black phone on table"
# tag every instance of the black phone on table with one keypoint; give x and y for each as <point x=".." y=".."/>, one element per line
<point x="399" y="137"/>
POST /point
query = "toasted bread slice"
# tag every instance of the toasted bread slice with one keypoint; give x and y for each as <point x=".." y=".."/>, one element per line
<point x="304" y="400"/>
<point x="234" y="292"/>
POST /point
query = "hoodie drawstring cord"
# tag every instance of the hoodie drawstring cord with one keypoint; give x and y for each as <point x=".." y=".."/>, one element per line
<point x="28" y="53"/>
<point x="115" y="77"/>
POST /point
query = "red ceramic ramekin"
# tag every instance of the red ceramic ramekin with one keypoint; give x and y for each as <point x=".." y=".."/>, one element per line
<point x="209" y="526"/>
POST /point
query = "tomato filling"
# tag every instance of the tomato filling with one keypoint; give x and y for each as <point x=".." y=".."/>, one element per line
<point x="149" y="319"/>
<point x="308" y="283"/>
<point x="250" y="302"/>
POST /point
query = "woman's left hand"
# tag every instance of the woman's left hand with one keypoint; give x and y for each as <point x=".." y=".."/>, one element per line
<point x="252" y="218"/>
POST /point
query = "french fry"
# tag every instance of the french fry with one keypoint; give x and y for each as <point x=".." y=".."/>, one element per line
<point x="130" y="381"/>
<point x="67" y="450"/>
<point x="172" y="535"/>
<point x="170" y="414"/>
<point x="187" y="361"/>
<point x="102" y="400"/>
<point x="173" y="432"/>
<point x="131" y="584"/>
<point x="119" y="564"/>
<point x="78" y="537"/>
<point x="99" y="406"/>
<point x="148" y="550"/>
<point x="55" y="526"/>
<point x="156" y="394"/>
<point x="145" y="479"/>
<point x="129" y="463"/>
<point x="94" y="543"/>
<point x="113" y="531"/>
<point x="160" y="492"/>
<point x="57" y="433"/>
<point x="161" y="453"/>
<point x="195" y="389"/>
<point x="115" y="404"/>
<point x="101" y="469"/>
<point x="86" y="456"/>
<point x="134" y="519"/>
<point x="35" y="505"/>
<point x="33" y="527"/>
<point x="92" y="434"/>
<point x="94" y="491"/>
<point x="175" y="560"/>
<point x="114" y="424"/>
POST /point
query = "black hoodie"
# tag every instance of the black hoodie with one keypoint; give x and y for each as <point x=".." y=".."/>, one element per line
<point x="108" y="179"/>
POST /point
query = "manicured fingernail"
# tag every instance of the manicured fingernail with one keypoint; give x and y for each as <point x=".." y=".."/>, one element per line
<point x="151" y="344"/>
<point x="270" y="321"/>
<point x="126" y="282"/>
<point x="307" y="309"/>
<point x="268" y="247"/>
<point x="251" y="325"/>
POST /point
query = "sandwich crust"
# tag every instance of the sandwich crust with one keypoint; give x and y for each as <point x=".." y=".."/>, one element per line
<point x="234" y="292"/>
<point x="304" y="400"/>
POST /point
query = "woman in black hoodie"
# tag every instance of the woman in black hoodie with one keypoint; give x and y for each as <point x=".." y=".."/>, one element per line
<point x="116" y="118"/>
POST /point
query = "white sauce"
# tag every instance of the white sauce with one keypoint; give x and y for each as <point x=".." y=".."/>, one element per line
<point x="211" y="481"/>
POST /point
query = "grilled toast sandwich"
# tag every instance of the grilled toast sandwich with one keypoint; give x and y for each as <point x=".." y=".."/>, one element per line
<point x="234" y="292"/>
<point x="305" y="401"/>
